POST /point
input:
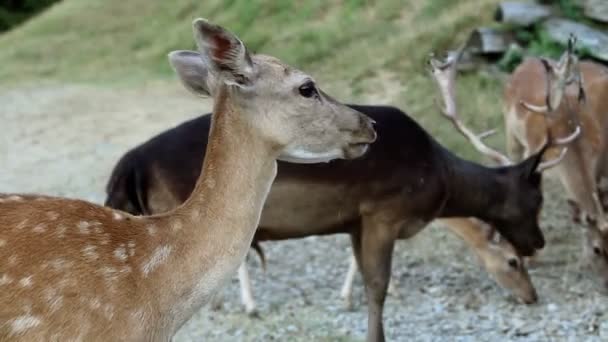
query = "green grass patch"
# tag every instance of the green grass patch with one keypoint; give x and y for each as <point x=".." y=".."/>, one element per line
<point x="344" y="44"/>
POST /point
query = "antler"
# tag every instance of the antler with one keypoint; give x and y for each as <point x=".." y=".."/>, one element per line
<point x="559" y="75"/>
<point x="444" y="73"/>
<point x="558" y="142"/>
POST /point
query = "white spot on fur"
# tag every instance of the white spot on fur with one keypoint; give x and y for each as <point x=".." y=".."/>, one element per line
<point x="95" y="303"/>
<point x="2" y="243"/>
<point x="14" y="198"/>
<point x="52" y="215"/>
<point x="131" y="248"/>
<point x="40" y="228"/>
<point x="60" y="264"/>
<point x="117" y="216"/>
<point x="61" y="231"/>
<point x="195" y="214"/>
<point x="26" y="282"/>
<point x="108" y="311"/>
<point x="90" y="253"/>
<point x="23" y="323"/>
<point x="83" y="227"/>
<point x="139" y="316"/>
<point x="53" y="299"/>
<point x="158" y="257"/>
<point x="5" y="279"/>
<point x="12" y="260"/>
<point x="151" y="229"/>
<point x="98" y="229"/>
<point x="121" y="253"/>
<point x="22" y="225"/>
<point x="55" y="303"/>
<point x="176" y="225"/>
<point x="105" y="239"/>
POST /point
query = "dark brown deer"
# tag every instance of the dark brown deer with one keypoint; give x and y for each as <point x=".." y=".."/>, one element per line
<point x="72" y="270"/>
<point x="406" y="180"/>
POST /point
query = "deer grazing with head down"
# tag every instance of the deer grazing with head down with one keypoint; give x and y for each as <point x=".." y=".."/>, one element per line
<point x="495" y="256"/>
<point x="567" y="92"/>
<point x="72" y="270"/>
<point x="406" y="180"/>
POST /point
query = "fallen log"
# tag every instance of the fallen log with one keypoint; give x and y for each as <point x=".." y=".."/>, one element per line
<point x="521" y="13"/>
<point x="596" y="10"/>
<point x="485" y="40"/>
<point x="595" y="42"/>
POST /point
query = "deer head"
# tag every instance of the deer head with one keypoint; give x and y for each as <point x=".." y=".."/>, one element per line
<point x="517" y="217"/>
<point x="313" y="126"/>
<point x="502" y="261"/>
<point x="559" y="75"/>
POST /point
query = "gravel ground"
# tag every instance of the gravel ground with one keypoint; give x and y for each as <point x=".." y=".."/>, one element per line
<point x="64" y="140"/>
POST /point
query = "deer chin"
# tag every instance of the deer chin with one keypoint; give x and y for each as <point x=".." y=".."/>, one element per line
<point x="354" y="151"/>
<point x="298" y="156"/>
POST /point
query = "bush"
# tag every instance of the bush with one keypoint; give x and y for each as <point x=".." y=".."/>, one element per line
<point x="14" y="12"/>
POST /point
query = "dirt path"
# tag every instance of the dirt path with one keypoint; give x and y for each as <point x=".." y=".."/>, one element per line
<point x="64" y="140"/>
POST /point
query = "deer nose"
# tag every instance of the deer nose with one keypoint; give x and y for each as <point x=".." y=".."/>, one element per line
<point x="533" y="298"/>
<point x="367" y="130"/>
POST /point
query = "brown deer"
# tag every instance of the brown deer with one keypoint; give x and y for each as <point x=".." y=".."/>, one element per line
<point x="496" y="255"/>
<point x="72" y="270"/>
<point x="406" y="180"/>
<point x="570" y="93"/>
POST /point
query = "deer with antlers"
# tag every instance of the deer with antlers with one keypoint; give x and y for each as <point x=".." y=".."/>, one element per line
<point x="406" y="180"/>
<point x="568" y="93"/>
<point x="72" y="270"/>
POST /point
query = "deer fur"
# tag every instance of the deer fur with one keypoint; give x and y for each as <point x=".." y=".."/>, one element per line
<point x="72" y="270"/>
<point x="529" y="91"/>
<point x="406" y="180"/>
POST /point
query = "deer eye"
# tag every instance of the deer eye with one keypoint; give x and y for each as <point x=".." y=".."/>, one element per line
<point x="513" y="263"/>
<point x="308" y="90"/>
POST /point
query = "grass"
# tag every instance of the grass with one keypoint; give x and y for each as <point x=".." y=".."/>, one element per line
<point x="348" y="45"/>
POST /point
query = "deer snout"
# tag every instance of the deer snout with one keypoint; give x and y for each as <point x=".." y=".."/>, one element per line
<point x="360" y="138"/>
<point x="366" y="133"/>
<point x="530" y="298"/>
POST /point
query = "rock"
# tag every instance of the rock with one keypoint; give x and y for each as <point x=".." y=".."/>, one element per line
<point x="596" y="10"/>
<point x="590" y="39"/>
<point x="521" y="13"/>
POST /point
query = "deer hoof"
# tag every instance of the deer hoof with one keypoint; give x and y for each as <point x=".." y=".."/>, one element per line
<point x="348" y="304"/>
<point x="253" y="312"/>
<point x="217" y="305"/>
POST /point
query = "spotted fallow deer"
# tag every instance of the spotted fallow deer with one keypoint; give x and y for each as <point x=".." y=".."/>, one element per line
<point x="72" y="270"/>
<point x="406" y="180"/>
<point x="572" y="93"/>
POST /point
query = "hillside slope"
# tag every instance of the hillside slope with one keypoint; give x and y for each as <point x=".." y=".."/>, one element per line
<point x="363" y="51"/>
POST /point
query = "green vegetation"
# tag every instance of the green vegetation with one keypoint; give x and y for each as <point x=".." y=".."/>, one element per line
<point x="359" y="50"/>
<point x="537" y="41"/>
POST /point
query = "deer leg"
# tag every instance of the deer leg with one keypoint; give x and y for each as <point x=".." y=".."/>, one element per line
<point x="246" y="293"/>
<point x="376" y="249"/>
<point x="346" y="293"/>
<point x="217" y="301"/>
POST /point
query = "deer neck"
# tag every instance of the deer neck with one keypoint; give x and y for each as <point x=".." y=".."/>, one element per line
<point x="472" y="190"/>
<point x="212" y="231"/>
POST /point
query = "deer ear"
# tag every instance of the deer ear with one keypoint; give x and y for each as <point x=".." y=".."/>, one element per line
<point x="224" y="52"/>
<point x="528" y="168"/>
<point x="192" y="71"/>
